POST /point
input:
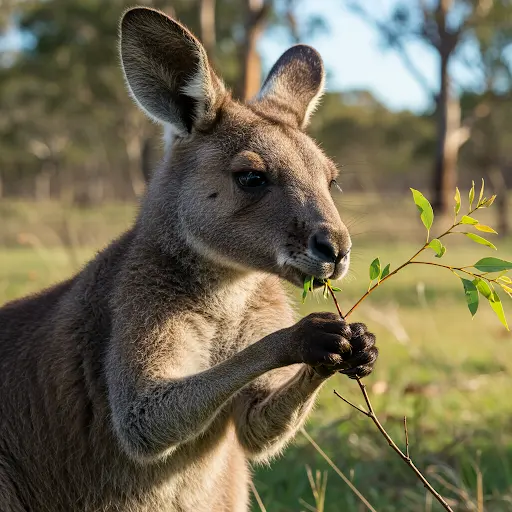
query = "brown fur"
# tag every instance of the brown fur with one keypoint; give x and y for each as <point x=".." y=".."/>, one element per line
<point x="148" y="381"/>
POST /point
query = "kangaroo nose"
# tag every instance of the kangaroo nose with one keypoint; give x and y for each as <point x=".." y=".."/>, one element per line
<point x="323" y="248"/>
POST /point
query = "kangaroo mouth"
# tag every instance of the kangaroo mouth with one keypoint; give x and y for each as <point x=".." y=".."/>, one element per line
<point x="297" y="276"/>
<point x="297" y="271"/>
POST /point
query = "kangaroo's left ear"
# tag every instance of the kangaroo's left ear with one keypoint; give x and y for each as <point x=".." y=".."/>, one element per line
<point x="295" y="84"/>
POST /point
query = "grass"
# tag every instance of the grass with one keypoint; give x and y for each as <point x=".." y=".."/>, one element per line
<point x="449" y="374"/>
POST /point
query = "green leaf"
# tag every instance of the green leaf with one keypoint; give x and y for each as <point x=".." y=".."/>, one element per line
<point x="489" y="202"/>
<point x="497" y="307"/>
<point x="506" y="289"/>
<point x="326" y="292"/>
<point x="468" y="220"/>
<point x="486" y="229"/>
<point x="457" y="201"/>
<point x="308" y="286"/>
<point x="480" y="240"/>
<point x="385" y="272"/>
<point x="335" y="289"/>
<point x="425" y="208"/>
<point x="493" y="265"/>
<point x="505" y="279"/>
<point x="471" y="196"/>
<point x="471" y="293"/>
<point x="374" y="269"/>
<point x="438" y="247"/>
<point x="481" y="193"/>
<point x="483" y="288"/>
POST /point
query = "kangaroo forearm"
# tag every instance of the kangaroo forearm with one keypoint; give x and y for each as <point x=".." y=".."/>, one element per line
<point x="270" y="421"/>
<point x="150" y="429"/>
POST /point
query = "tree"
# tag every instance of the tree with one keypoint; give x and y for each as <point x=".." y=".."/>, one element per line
<point x="449" y="28"/>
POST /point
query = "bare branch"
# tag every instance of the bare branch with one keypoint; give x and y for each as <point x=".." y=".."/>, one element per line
<point x="362" y="411"/>
<point x="406" y="438"/>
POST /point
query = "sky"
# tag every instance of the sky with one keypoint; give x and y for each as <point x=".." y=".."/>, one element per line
<point x="353" y="54"/>
<point x="355" y="57"/>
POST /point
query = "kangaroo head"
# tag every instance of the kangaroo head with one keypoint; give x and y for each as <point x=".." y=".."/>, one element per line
<point x="244" y="183"/>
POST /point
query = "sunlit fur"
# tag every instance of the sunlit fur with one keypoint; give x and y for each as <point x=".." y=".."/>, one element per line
<point x="151" y="379"/>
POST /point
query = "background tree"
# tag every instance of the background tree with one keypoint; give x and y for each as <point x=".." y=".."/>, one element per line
<point x="68" y="129"/>
<point x="450" y="28"/>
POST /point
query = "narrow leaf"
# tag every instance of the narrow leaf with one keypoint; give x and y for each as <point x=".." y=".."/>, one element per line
<point x="489" y="202"/>
<point x="471" y="294"/>
<point x="308" y="285"/>
<point x="468" y="220"/>
<point x="385" y="272"/>
<point x="483" y="288"/>
<point x="374" y="269"/>
<point x="505" y="279"/>
<point x="497" y="307"/>
<point x="425" y="208"/>
<point x="457" y="200"/>
<point x="481" y="193"/>
<point x="486" y="229"/>
<point x="506" y="288"/>
<point x="471" y="195"/>
<point x="479" y="240"/>
<point x="493" y="265"/>
<point x="304" y="296"/>
<point x="335" y="289"/>
<point x="438" y="247"/>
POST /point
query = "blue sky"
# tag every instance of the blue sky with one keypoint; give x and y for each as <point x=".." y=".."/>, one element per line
<point x="355" y="57"/>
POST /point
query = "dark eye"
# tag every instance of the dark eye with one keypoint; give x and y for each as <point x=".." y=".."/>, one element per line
<point x="250" y="179"/>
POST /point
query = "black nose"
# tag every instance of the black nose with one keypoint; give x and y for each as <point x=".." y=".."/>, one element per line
<point x="323" y="248"/>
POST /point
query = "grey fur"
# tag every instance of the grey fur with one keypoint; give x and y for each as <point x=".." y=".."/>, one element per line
<point x="149" y="380"/>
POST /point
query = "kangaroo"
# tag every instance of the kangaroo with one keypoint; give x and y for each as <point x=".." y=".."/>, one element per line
<point x="151" y="380"/>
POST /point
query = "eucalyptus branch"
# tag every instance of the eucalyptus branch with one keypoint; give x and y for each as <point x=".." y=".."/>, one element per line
<point x="371" y="414"/>
<point x="480" y="284"/>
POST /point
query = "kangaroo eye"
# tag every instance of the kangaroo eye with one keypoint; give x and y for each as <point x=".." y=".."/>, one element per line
<point x="250" y="179"/>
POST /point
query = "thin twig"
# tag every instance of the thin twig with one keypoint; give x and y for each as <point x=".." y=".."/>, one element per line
<point x="362" y="411"/>
<point x="406" y="438"/>
<point x="405" y="457"/>
<point x="331" y="291"/>
<point x="448" y="267"/>
<point x="371" y="414"/>
<point x="257" y="496"/>
<point x="353" y="488"/>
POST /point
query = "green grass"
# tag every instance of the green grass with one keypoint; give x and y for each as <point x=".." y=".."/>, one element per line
<point x="449" y="374"/>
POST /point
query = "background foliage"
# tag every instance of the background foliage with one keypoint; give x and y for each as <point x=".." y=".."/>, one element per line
<point x="75" y="154"/>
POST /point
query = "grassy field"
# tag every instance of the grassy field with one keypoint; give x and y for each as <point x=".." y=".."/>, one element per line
<point x="449" y="374"/>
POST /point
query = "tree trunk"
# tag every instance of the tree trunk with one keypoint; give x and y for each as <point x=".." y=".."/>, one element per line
<point x="256" y="16"/>
<point x="207" y="20"/>
<point x="445" y="170"/>
<point x="42" y="190"/>
<point x="499" y="184"/>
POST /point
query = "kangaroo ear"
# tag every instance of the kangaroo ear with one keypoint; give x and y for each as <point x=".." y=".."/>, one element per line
<point x="167" y="70"/>
<point x="295" y="84"/>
